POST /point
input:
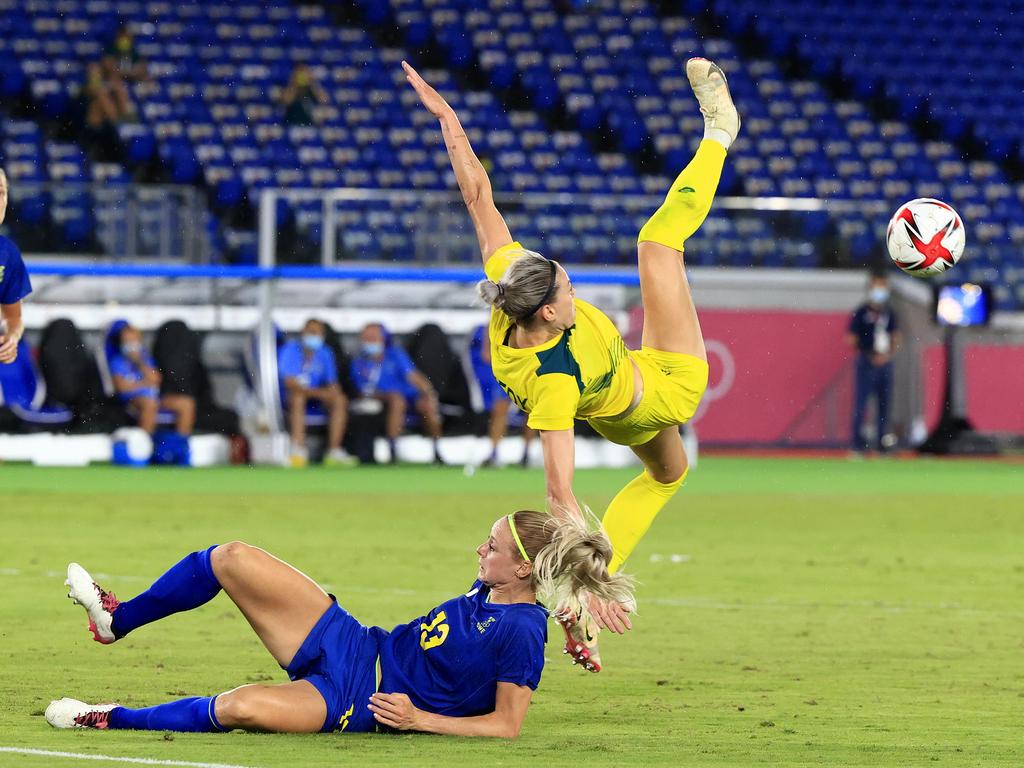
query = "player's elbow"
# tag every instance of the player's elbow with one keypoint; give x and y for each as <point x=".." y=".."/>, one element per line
<point x="509" y="730"/>
<point x="477" y="190"/>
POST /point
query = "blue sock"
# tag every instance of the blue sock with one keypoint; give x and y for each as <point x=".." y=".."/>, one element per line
<point x="187" y="585"/>
<point x="192" y="715"/>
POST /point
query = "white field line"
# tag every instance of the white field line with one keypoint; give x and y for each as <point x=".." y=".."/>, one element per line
<point x="111" y="759"/>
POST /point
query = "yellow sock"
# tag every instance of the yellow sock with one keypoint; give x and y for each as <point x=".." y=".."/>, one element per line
<point x="689" y="200"/>
<point x="632" y="511"/>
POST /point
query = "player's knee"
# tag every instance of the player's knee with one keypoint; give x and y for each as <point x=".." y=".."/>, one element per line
<point x="239" y="708"/>
<point x="228" y="558"/>
<point x="668" y="473"/>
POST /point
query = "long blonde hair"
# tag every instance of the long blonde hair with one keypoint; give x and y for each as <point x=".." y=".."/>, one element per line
<point x="570" y="560"/>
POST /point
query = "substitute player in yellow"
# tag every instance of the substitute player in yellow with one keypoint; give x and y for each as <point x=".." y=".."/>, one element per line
<point x="560" y="359"/>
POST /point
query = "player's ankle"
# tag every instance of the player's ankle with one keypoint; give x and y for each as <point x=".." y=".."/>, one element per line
<point x="718" y="135"/>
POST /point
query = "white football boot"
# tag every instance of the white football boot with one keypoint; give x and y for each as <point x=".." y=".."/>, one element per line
<point x="72" y="713"/>
<point x="712" y="91"/>
<point x="98" y="603"/>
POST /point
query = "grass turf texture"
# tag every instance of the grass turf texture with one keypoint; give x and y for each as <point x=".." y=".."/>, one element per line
<point x="816" y="612"/>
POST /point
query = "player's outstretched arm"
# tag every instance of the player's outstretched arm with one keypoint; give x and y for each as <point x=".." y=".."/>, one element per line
<point x="491" y="230"/>
<point x="559" y="447"/>
<point x="510" y="705"/>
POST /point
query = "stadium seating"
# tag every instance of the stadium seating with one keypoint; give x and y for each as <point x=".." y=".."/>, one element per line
<point x="558" y="98"/>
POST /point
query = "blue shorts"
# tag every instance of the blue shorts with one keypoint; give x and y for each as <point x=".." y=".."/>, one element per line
<point x="339" y="657"/>
<point x="490" y="391"/>
<point x="151" y="392"/>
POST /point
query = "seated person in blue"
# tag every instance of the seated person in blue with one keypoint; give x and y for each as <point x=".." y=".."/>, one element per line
<point x="467" y="668"/>
<point x="494" y="400"/>
<point x="14" y="286"/>
<point x="383" y="371"/>
<point x="309" y="382"/>
<point x="137" y="384"/>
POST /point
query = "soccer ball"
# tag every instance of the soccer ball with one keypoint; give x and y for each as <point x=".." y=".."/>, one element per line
<point x="925" y="237"/>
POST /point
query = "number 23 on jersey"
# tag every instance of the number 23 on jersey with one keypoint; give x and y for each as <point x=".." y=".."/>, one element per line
<point x="435" y="633"/>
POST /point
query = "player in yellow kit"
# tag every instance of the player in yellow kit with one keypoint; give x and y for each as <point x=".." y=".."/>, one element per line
<point x="560" y="358"/>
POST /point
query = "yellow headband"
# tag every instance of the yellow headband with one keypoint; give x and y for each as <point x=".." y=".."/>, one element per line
<point x="515" y="535"/>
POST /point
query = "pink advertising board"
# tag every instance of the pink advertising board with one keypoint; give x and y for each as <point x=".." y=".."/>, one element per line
<point x="776" y="377"/>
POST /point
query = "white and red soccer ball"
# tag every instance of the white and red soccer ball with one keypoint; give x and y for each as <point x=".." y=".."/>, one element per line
<point x="925" y="237"/>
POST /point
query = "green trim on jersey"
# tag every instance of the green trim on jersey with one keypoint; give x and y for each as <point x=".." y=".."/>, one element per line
<point x="559" y="359"/>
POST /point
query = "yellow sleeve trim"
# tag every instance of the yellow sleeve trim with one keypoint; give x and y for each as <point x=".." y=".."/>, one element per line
<point x="498" y="262"/>
<point x="552" y="424"/>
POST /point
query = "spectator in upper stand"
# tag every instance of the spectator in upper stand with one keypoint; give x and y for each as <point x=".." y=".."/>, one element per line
<point x="495" y="402"/>
<point x="309" y="376"/>
<point x="137" y="384"/>
<point x="301" y="95"/>
<point x="121" y="60"/>
<point x="14" y="286"/>
<point x="874" y="334"/>
<point x="383" y="371"/>
<point x="106" y="99"/>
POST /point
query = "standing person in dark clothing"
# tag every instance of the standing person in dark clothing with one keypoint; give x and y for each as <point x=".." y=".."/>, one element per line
<point x="874" y="334"/>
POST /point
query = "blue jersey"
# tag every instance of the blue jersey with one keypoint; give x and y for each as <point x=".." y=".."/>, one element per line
<point x="388" y="374"/>
<point x="490" y="391"/>
<point x="121" y="365"/>
<point x="450" y="661"/>
<point x="14" y="282"/>
<point x="313" y="371"/>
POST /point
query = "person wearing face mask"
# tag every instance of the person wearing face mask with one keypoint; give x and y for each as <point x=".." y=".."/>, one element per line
<point x="384" y="372"/>
<point x="14" y="286"/>
<point x="873" y="333"/>
<point x="137" y="384"/>
<point x="309" y="379"/>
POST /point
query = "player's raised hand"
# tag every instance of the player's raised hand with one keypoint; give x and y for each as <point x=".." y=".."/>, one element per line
<point x="431" y="99"/>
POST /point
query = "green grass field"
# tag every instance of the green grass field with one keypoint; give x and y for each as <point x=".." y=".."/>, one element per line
<point x="792" y="612"/>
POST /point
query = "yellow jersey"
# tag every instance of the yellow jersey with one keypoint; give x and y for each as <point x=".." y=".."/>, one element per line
<point x="583" y="372"/>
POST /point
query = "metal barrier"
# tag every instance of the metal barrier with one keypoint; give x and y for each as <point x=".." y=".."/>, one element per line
<point x="129" y="221"/>
<point x="437" y="229"/>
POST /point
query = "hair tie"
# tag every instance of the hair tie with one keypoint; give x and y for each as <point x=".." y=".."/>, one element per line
<point x="501" y="290"/>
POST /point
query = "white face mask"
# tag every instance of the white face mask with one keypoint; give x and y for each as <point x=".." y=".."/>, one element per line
<point x="878" y="295"/>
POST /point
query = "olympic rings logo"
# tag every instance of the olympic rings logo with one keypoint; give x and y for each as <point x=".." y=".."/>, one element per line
<point x="727" y="366"/>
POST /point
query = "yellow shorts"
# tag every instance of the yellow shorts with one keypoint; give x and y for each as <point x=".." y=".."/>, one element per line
<point x="673" y="386"/>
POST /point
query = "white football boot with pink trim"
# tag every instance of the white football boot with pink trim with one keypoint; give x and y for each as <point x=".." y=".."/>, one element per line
<point x="98" y="603"/>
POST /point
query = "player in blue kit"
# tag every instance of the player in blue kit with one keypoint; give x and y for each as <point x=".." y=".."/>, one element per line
<point x="467" y="668"/>
<point x="14" y="286"/>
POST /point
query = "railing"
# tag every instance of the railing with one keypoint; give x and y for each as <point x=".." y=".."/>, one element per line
<point x="433" y="227"/>
<point x="119" y="221"/>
